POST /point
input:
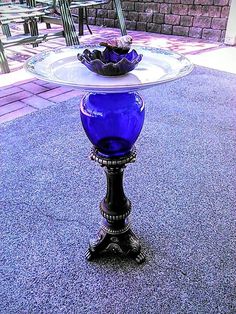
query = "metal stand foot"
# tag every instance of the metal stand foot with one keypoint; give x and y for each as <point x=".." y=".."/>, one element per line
<point x="126" y="244"/>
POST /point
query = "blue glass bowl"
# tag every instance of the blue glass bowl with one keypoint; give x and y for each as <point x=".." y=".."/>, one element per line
<point x="112" y="121"/>
<point x="109" y="62"/>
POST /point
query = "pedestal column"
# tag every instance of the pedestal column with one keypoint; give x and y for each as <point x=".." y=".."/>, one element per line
<point x="113" y="123"/>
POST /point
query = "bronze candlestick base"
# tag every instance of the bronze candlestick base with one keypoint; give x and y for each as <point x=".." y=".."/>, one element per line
<point x="115" y="234"/>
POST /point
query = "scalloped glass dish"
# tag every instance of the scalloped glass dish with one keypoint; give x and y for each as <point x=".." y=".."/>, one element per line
<point x="108" y="62"/>
<point x="62" y="67"/>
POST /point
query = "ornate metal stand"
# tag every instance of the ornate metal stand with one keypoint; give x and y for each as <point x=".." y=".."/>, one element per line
<point x="115" y="234"/>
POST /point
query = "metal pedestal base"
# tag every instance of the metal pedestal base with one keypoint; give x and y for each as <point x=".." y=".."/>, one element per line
<point x="115" y="234"/>
<point x="126" y="244"/>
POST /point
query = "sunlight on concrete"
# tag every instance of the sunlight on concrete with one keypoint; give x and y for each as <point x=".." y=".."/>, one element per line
<point x="222" y="59"/>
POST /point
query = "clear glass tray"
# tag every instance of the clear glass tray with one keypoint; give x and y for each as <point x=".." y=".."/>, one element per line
<point x="62" y="67"/>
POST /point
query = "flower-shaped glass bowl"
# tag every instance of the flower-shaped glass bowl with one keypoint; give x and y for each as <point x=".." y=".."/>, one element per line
<point x="109" y="62"/>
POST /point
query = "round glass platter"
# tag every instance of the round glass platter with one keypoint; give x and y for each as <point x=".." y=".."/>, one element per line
<point x="62" y="67"/>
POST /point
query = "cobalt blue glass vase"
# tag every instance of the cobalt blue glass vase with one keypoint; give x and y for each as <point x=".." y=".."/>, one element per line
<point x="112" y="122"/>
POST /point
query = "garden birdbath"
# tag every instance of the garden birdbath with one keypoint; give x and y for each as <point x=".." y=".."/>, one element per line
<point x="112" y="115"/>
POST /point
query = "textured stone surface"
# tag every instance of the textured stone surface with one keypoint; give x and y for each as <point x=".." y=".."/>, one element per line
<point x="141" y="26"/>
<point x="172" y="19"/>
<point x="225" y="12"/>
<point x="211" y="34"/>
<point x="204" y="2"/>
<point x="180" y="30"/>
<point x="153" y="27"/>
<point x="168" y="13"/>
<point x="158" y="18"/>
<point x="202" y="21"/>
<point x="179" y="9"/>
<point x="166" y="29"/>
<point x="186" y="20"/>
<point x="218" y="23"/>
<point x="145" y="17"/>
<point x="165" y="8"/>
<point x="195" y="32"/>
<point x="221" y="2"/>
<point x="195" y="10"/>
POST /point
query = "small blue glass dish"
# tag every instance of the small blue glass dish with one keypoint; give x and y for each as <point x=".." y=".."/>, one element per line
<point x="109" y="62"/>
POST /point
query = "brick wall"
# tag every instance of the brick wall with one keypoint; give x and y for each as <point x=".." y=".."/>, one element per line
<point x="205" y="19"/>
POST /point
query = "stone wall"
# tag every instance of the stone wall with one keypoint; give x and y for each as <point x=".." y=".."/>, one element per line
<point x="205" y="19"/>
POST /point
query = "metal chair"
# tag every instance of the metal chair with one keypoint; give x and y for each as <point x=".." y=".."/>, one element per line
<point x="83" y="5"/>
<point x="30" y="17"/>
<point x="17" y="13"/>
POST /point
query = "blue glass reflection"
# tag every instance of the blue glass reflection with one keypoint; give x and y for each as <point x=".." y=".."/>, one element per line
<point x="112" y="122"/>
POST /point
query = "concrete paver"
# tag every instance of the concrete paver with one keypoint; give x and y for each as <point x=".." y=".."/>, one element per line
<point x="14" y="97"/>
<point x="38" y="102"/>
<point x="34" y="88"/>
<point x="16" y="114"/>
<point x="11" y="107"/>
<point x="9" y="91"/>
<point x="55" y="92"/>
<point x="66" y="96"/>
